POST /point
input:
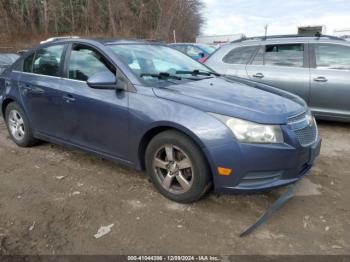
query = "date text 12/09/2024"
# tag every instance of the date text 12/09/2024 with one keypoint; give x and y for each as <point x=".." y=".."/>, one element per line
<point x="174" y="258"/>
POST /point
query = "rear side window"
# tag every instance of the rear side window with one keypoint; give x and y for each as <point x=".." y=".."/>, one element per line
<point x="285" y="55"/>
<point x="332" y="56"/>
<point x="47" y="60"/>
<point x="239" y="55"/>
<point x="85" y="62"/>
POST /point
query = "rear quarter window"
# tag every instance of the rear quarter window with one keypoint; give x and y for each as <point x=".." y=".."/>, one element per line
<point x="28" y="64"/>
<point x="239" y="55"/>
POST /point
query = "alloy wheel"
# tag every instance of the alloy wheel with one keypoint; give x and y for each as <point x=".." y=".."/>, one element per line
<point x="174" y="169"/>
<point x="16" y="125"/>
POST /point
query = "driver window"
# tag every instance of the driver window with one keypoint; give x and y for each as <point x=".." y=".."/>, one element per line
<point x="84" y="62"/>
<point x="331" y="56"/>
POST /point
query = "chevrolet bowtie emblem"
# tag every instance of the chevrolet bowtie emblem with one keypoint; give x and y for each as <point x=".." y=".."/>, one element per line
<point x="309" y="120"/>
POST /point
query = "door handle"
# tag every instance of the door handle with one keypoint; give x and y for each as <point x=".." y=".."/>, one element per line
<point x="258" y="75"/>
<point x="68" y="98"/>
<point x="30" y="89"/>
<point x="26" y="87"/>
<point x="37" y="90"/>
<point x="320" y="79"/>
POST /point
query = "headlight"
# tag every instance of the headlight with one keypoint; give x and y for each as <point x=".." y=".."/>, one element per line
<point x="250" y="132"/>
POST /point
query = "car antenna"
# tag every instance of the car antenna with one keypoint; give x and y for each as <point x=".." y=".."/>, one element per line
<point x="266" y="27"/>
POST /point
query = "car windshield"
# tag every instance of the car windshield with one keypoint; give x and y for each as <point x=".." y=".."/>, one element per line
<point x="155" y="64"/>
<point x="207" y="48"/>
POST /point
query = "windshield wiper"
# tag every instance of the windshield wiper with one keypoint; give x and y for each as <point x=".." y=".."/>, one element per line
<point x="196" y="73"/>
<point x="162" y="76"/>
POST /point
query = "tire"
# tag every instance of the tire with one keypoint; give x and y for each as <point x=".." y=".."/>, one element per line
<point x="177" y="167"/>
<point x="23" y="136"/>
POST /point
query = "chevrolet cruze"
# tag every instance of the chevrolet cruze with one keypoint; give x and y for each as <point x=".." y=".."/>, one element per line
<point x="153" y="108"/>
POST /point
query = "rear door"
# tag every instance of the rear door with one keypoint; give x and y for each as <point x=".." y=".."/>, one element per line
<point x="284" y="66"/>
<point x="330" y="79"/>
<point x="40" y="85"/>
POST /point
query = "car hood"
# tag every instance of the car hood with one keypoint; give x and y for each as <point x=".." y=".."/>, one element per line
<point x="233" y="98"/>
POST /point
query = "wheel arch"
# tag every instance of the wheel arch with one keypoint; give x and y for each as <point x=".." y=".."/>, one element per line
<point x="5" y="103"/>
<point x="155" y="130"/>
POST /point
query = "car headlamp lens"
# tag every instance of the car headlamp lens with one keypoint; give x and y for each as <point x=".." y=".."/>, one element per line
<point x="250" y="132"/>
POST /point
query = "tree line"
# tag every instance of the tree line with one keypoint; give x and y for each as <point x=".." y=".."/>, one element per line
<point x="26" y="20"/>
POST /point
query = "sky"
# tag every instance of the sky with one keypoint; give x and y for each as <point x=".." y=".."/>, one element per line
<point x="282" y="16"/>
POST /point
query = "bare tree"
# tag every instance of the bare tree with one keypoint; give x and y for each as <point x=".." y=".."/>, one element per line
<point x="32" y="20"/>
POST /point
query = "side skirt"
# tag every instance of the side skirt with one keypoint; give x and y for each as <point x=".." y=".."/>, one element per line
<point x="104" y="155"/>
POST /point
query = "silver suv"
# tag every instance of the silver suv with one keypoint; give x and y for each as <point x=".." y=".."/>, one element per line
<point x="315" y="68"/>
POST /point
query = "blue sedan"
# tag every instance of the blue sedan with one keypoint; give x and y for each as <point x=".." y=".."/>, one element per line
<point x="153" y="108"/>
<point x="198" y="52"/>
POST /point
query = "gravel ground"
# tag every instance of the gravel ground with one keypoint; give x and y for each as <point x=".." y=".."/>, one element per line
<point x="53" y="201"/>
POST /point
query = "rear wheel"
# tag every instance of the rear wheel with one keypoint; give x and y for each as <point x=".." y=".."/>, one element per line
<point x="18" y="126"/>
<point x="177" y="167"/>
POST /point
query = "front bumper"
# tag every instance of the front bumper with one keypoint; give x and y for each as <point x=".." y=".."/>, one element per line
<point x="258" y="167"/>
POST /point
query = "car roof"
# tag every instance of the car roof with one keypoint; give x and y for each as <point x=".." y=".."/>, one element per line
<point x="127" y="41"/>
<point x="289" y="39"/>
<point x="183" y="44"/>
<point x="103" y="41"/>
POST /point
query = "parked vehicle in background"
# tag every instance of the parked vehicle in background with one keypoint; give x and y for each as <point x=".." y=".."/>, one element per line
<point x="217" y="39"/>
<point x="151" y="107"/>
<point x="315" y="68"/>
<point x="198" y="52"/>
<point x="7" y="59"/>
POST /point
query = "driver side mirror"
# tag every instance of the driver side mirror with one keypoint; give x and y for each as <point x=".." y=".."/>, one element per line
<point x="104" y="80"/>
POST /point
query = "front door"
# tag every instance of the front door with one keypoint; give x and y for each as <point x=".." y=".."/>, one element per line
<point x="95" y="119"/>
<point x="330" y="80"/>
<point x="283" y="66"/>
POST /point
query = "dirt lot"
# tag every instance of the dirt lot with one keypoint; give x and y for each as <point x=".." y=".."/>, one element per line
<point x="44" y="213"/>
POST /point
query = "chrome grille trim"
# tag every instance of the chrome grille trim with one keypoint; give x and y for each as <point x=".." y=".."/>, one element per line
<point x="297" y="118"/>
<point x="306" y="134"/>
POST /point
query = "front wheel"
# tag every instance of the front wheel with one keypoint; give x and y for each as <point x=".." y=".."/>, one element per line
<point x="177" y="167"/>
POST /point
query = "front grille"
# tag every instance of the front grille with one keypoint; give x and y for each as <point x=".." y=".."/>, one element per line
<point x="306" y="133"/>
